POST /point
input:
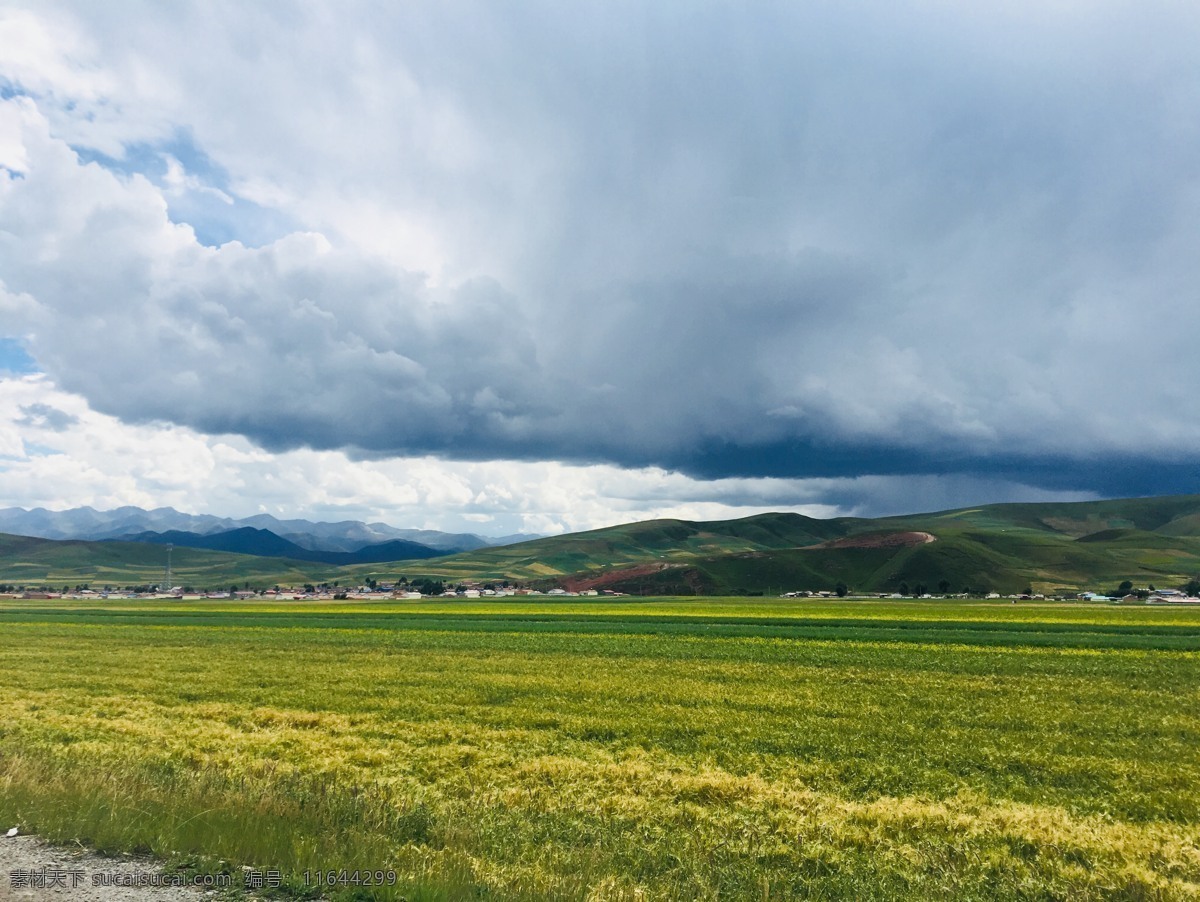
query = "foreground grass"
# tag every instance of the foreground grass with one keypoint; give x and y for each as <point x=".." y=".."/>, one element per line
<point x="625" y="750"/>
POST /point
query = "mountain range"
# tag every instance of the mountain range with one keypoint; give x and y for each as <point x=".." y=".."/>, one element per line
<point x="126" y="523"/>
<point x="264" y="543"/>
<point x="1007" y="548"/>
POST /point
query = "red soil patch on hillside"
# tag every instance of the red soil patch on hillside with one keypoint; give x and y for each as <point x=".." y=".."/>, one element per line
<point x="881" y="540"/>
<point x="609" y="577"/>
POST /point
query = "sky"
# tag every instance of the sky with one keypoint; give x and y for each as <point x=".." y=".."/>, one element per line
<point x="539" y="267"/>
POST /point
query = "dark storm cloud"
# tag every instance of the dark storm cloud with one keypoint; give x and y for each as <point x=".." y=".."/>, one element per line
<point x="786" y="241"/>
<point x="1110" y="474"/>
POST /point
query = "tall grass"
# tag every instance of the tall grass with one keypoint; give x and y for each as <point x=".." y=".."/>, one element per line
<point x="619" y="751"/>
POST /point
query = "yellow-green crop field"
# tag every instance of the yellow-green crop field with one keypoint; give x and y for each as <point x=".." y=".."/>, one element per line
<point x="661" y="749"/>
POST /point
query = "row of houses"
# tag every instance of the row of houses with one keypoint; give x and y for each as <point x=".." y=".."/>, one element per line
<point x="822" y="593"/>
<point x="469" y="590"/>
<point x="1158" y="596"/>
<point x="356" y="593"/>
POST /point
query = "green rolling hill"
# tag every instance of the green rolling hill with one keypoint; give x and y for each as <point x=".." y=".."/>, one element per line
<point x="1001" y="547"/>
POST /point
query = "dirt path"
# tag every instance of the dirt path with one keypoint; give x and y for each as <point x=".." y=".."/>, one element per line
<point x="880" y="540"/>
<point x="32" y="869"/>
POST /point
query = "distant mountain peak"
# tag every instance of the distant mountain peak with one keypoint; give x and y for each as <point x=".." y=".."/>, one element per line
<point x="343" y="536"/>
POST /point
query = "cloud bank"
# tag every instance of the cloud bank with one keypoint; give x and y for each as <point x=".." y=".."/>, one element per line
<point x="824" y="243"/>
<point x="56" y="452"/>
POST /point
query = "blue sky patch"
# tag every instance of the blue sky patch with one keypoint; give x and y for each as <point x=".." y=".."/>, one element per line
<point x="34" y="449"/>
<point x="14" y="359"/>
<point x="149" y="159"/>
<point x="206" y="203"/>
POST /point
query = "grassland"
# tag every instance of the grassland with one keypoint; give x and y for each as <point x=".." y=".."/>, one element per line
<point x="659" y="749"/>
<point x="36" y="562"/>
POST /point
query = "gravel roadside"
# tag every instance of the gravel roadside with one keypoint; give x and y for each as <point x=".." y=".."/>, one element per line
<point x="33" y="869"/>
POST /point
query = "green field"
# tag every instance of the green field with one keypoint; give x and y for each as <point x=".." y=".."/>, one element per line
<point x="660" y="749"/>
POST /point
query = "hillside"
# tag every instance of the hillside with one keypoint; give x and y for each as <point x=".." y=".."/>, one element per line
<point x="32" y="561"/>
<point x="1166" y="515"/>
<point x="1004" y="547"/>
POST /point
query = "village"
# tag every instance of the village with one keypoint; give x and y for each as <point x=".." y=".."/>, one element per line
<point x="375" y="591"/>
<point x="364" y="592"/>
